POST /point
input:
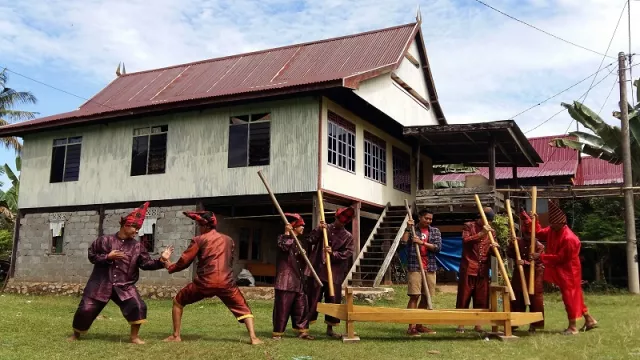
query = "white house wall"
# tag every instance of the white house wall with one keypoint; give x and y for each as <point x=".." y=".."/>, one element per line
<point x="196" y="165"/>
<point x="386" y="95"/>
<point x="356" y="185"/>
<point x="412" y="75"/>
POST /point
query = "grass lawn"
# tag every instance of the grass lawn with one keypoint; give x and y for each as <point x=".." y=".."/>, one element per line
<point x="36" y="328"/>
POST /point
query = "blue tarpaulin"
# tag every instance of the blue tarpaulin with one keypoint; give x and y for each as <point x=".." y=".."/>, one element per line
<point x="449" y="256"/>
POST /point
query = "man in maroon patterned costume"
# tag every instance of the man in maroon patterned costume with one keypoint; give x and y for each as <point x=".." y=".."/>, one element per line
<point x="117" y="259"/>
<point x="475" y="265"/>
<point x="214" y="275"/>
<point x="290" y="300"/>
<point x="524" y="245"/>
<point x="340" y="249"/>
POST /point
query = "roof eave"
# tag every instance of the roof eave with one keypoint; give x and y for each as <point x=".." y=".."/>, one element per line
<point x="18" y="130"/>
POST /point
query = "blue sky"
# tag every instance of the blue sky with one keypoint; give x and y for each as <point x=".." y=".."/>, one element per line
<point x="486" y="66"/>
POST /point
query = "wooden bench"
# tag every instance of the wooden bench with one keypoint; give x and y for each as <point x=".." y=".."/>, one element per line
<point x="506" y="319"/>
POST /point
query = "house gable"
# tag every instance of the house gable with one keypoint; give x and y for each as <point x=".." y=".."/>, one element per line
<point x="407" y="92"/>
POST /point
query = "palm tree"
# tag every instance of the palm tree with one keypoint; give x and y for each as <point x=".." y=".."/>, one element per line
<point x="606" y="144"/>
<point x="9" y="98"/>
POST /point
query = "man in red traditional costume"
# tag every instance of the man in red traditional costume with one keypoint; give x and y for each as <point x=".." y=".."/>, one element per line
<point x="475" y="265"/>
<point x="214" y="275"/>
<point x="290" y="300"/>
<point x="561" y="260"/>
<point x="117" y="259"/>
<point x="524" y="245"/>
<point x="341" y="250"/>
<point x="429" y="241"/>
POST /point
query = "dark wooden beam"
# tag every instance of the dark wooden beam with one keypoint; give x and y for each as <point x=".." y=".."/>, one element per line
<point x="492" y="162"/>
<point x="355" y="230"/>
<point x="101" y="220"/>
<point x="514" y="176"/>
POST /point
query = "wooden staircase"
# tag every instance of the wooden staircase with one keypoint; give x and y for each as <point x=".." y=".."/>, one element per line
<point x="376" y="254"/>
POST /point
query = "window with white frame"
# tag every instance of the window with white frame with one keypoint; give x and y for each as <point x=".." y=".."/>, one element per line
<point x="401" y="170"/>
<point x="149" y="150"/>
<point x="249" y="140"/>
<point x="65" y="159"/>
<point x="341" y="142"/>
<point x="375" y="158"/>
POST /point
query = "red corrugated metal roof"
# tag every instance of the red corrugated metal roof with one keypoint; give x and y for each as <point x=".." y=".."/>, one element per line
<point x="557" y="162"/>
<point x="340" y="59"/>
<point x="599" y="172"/>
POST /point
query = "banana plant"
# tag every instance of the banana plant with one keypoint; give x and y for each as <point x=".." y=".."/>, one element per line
<point x="9" y="199"/>
<point x="606" y="144"/>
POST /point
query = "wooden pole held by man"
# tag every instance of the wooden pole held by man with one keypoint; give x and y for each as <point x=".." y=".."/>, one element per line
<point x="326" y="245"/>
<point x="284" y="218"/>
<point x="496" y="253"/>
<point x="425" y="285"/>
<point x="523" y="280"/>
<point x="534" y="218"/>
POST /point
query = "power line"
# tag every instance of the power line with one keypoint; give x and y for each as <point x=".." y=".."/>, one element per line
<point x="608" y="46"/>
<point x="55" y="88"/>
<point x="543" y="31"/>
<point x="565" y="90"/>
<point x="556" y="114"/>
<point x="615" y="81"/>
<point x="633" y="100"/>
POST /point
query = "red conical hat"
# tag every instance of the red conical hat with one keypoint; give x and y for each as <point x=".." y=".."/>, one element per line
<point x="136" y="217"/>
<point x="556" y="215"/>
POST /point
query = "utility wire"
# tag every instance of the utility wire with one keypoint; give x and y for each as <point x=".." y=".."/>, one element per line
<point x="633" y="100"/>
<point x="55" y="88"/>
<point x="543" y="31"/>
<point x="565" y="90"/>
<point x="608" y="46"/>
<point x="583" y="95"/>
<point x="615" y="81"/>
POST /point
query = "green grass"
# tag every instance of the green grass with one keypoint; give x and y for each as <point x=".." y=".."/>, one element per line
<point x="36" y="328"/>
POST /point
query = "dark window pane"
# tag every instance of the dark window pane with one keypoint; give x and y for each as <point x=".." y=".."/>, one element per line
<point x="58" y="142"/>
<point x="75" y="140"/>
<point x="259" y="144"/>
<point x="72" y="165"/>
<point x="57" y="164"/>
<point x="139" y="155"/>
<point x="256" y="240"/>
<point x="238" y="137"/>
<point x="157" y="154"/>
<point x="245" y="235"/>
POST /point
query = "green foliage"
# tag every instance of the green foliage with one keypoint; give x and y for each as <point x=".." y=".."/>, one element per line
<point x="6" y="243"/>
<point x="597" y="219"/>
<point x="606" y="144"/>
<point x="9" y="199"/>
<point x="501" y="226"/>
<point x="9" y="99"/>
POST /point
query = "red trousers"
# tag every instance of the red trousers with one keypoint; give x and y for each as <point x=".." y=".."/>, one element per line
<point x="231" y="297"/>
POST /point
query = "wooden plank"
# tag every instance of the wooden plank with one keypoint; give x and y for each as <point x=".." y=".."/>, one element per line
<point x="519" y="318"/>
<point x="335" y="310"/>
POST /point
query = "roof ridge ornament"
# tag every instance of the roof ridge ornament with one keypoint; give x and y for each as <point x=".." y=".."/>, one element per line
<point x="418" y="15"/>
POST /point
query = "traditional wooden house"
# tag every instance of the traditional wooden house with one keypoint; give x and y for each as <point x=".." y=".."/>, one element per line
<point x="323" y="115"/>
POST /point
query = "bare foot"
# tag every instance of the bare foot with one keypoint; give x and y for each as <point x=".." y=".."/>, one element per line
<point x="334" y="335"/>
<point x="256" y="341"/>
<point x="173" y="338"/>
<point x="478" y="329"/>
<point x="73" y="338"/>
<point x="306" y="336"/>
<point x="137" y="341"/>
<point x="276" y="337"/>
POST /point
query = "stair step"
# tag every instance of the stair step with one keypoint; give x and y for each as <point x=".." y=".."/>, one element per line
<point x="365" y="273"/>
<point x="370" y="266"/>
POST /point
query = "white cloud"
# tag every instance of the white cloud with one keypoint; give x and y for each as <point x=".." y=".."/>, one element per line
<point x="486" y="66"/>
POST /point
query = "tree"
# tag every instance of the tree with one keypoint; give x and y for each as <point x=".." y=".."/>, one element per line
<point x="606" y="144"/>
<point x="9" y="199"/>
<point x="9" y="99"/>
